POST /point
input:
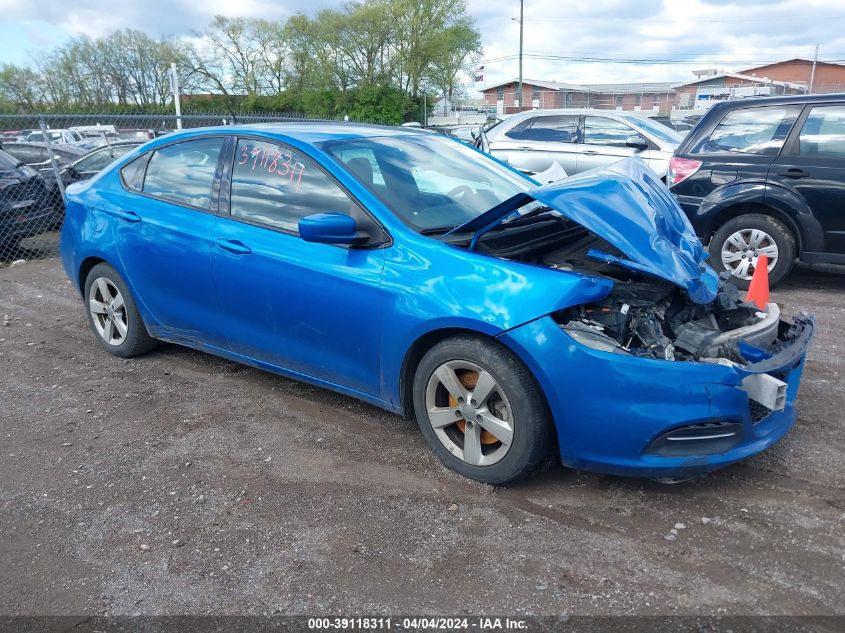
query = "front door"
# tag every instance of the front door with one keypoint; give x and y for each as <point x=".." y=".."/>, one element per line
<point x="813" y="164"/>
<point x="309" y="308"/>
<point x="604" y="142"/>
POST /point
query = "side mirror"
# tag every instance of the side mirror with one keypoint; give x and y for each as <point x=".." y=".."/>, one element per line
<point x="330" y="228"/>
<point x="637" y="142"/>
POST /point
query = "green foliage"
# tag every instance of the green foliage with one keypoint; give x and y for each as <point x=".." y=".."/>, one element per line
<point x="369" y="60"/>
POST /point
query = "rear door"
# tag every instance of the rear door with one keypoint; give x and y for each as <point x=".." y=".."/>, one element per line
<point x="604" y="142"/>
<point x="535" y="144"/>
<point x="813" y="164"/>
<point x="161" y="227"/>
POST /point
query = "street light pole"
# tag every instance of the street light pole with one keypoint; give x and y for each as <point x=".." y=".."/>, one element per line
<point x="520" y="53"/>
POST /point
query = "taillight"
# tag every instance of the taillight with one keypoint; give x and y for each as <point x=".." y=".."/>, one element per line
<point x="681" y="169"/>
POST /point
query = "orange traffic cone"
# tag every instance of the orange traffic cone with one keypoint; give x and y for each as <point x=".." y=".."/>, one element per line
<point x="758" y="291"/>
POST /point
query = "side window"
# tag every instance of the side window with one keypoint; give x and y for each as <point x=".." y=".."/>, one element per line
<point x="555" y="129"/>
<point x="518" y="130"/>
<point x="133" y="173"/>
<point x="277" y="186"/>
<point x="599" y="130"/>
<point x="755" y="130"/>
<point x="184" y="172"/>
<point x="823" y="133"/>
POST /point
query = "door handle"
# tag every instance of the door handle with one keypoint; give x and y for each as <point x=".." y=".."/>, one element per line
<point x="129" y="216"/>
<point x="794" y="172"/>
<point x="526" y="147"/>
<point x="234" y="246"/>
<point x="589" y="152"/>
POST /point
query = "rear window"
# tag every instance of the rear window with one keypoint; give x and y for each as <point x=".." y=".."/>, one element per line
<point x="556" y="129"/>
<point x="133" y="173"/>
<point x="7" y="163"/>
<point x="755" y="130"/>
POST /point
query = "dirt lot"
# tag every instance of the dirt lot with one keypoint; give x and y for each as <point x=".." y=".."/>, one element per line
<point x="182" y="483"/>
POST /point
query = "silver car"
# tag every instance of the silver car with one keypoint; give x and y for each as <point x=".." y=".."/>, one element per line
<point x="579" y="140"/>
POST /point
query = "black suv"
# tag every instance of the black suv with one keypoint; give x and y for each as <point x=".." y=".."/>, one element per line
<point x="766" y="175"/>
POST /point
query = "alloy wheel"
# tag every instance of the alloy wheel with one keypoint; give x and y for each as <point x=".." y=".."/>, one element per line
<point x="742" y="249"/>
<point x="108" y="311"/>
<point x="469" y="412"/>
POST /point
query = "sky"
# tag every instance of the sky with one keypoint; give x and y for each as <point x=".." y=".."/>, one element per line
<point x="558" y="34"/>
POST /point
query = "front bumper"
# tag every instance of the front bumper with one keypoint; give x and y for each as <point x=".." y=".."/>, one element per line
<point x="611" y="409"/>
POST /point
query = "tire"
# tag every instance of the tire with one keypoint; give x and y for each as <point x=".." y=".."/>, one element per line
<point x="513" y="408"/>
<point x="755" y="232"/>
<point x="107" y="298"/>
<point x="9" y="246"/>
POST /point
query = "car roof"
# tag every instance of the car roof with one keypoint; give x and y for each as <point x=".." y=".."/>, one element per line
<point x="61" y="147"/>
<point x="780" y="99"/>
<point x="304" y="131"/>
<point x="627" y="114"/>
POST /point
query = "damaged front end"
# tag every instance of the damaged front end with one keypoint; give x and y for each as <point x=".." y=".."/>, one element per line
<point x="657" y="320"/>
<point x="670" y="373"/>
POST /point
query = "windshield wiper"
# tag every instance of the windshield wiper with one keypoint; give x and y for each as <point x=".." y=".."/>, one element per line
<point x="437" y="230"/>
<point x="526" y="216"/>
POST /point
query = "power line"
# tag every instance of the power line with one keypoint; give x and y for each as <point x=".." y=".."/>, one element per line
<point x="641" y="62"/>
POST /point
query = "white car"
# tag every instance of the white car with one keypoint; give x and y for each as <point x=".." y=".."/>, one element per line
<point x="70" y="137"/>
<point x="579" y="140"/>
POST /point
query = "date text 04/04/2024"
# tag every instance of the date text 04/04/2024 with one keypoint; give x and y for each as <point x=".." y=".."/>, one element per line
<point x="416" y="623"/>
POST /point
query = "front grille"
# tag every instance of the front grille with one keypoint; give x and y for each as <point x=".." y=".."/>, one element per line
<point x="758" y="411"/>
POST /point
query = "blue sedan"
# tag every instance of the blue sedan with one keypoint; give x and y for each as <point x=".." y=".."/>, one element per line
<point x="410" y="271"/>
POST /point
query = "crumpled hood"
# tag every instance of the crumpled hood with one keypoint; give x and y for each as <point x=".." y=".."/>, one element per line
<point x="627" y="206"/>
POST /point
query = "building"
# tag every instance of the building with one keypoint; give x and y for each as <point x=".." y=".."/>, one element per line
<point x="828" y="76"/>
<point x="541" y="94"/>
<point x="714" y="85"/>
<point x="791" y="76"/>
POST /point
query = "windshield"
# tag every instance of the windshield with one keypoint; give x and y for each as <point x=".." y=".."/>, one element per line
<point x="659" y="130"/>
<point x="430" y="182"/>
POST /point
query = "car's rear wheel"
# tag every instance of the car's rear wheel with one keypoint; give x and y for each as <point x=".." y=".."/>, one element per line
<point x="738" y="243"/>
<point x="113" y="315"/>
<point x="480" y="410"/>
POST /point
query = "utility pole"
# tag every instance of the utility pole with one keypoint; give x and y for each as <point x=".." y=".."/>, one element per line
<point x="813" y="72"/>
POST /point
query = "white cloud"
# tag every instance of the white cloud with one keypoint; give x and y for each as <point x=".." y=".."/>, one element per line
<point x="700" y="33"/>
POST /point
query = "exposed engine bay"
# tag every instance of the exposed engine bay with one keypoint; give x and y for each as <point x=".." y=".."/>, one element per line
<point x="642" y="315"/>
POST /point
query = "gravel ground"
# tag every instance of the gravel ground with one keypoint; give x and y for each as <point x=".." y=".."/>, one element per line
<point x="181" y="483"/>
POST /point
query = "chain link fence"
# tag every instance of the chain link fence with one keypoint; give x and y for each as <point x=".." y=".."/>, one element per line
<point x="41" y="154"/>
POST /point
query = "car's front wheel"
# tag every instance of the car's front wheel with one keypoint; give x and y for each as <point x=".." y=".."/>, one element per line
<point x="739" y="242"/>
<point x="113" y="315"/>
<point x="481" y="410"/>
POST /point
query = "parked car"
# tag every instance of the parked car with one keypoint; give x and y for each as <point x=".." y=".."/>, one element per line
<point x="134" y="134"/>
<point x="24" y="203"/>
<point x="579" y="140"/>
<point x="36" y="154"/>
<point x="766" y="176"/>
<point x="464" y="133"/>
<point x="506" y="318"/>
<point x="70" y="137"/>
<point x="95" y="161"/>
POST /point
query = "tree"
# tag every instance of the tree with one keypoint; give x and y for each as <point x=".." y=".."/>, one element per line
<point x="453" y="48"/>
<point x="369" y="59"/>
